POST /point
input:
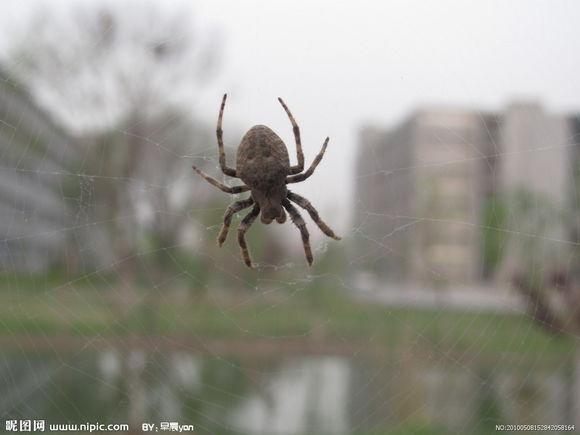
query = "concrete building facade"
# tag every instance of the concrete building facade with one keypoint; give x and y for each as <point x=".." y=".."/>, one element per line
<point x="33" y="205"/>
<point x="424" y="186"/>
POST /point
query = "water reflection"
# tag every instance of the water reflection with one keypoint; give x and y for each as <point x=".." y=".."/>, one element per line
<point x="299" y="395"/>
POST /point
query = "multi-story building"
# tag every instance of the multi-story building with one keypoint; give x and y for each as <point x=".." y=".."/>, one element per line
<point x="34" y="153"/>
<point x="424" y="187"/>
<point x="573" y="196"/>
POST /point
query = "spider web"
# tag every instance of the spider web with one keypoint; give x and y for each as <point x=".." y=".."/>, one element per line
<point x="283" y="349"/>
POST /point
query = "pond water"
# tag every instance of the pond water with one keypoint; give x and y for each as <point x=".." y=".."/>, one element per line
<point x="303" y="394"/>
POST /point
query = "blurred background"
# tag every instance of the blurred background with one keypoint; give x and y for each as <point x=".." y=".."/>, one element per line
<point x="452" y="303"/>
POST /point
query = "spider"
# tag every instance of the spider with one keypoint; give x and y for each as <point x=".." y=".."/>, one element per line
<point x="263" y="164"/>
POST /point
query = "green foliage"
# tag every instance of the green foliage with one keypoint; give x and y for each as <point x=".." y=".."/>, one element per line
<point x="495" y="214"/>
<point x="488" y="406"/>
<point x="85" y="312"/>
<point x="328" y="290"/>
<point x="526" y="220"/>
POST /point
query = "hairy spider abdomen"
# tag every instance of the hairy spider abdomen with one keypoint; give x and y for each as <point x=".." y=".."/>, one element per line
<point x="262" y="159"/>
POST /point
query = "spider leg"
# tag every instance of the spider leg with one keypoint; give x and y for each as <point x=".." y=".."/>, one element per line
<point x="301" y="177"/>
<point x="221" y="186"/>
<point x="306" y="205"/>
<point x="299" y="222"/>
<point x="220" y="139"/>
<point x="282" y="218"/>
<point x="300" y="166"/>
<point x="244" y="226"/>
<point x="231" y="210"/>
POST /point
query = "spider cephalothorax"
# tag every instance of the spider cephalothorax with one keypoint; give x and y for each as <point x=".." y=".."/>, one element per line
<point x="263" y="164"/>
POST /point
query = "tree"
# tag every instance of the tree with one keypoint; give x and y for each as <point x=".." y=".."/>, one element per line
<point x="122" y="77"/>
<point x="547" y="272"/>
<point x="97" y="66"/>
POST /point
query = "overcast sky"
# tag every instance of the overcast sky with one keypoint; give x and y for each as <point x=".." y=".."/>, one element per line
<point x="343" y="64"/>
